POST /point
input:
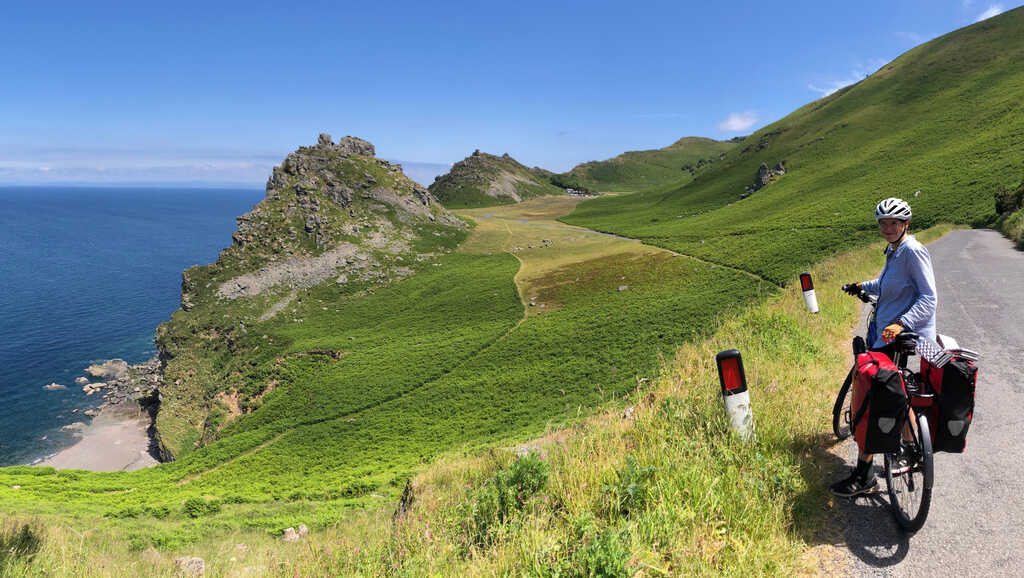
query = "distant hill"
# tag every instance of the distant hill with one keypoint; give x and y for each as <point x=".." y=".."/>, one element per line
<point x="635" y="171"/>
<point x="484" y="180"/>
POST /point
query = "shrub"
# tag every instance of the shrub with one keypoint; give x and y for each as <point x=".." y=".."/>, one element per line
<point x="159" y="512"/>
<point x="1013" y="227"/>
<point x="631" y="489"/>
<point x="1008" y="201"/>
<point x="198" y="507"/>
<point x="593" y="551"/>
<point x="124" y="512"/>
<point x="504" y="495"/>
<point x="17" y="543"/>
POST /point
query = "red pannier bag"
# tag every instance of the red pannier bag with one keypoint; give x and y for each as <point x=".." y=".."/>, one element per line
<point x="879" y="403"/>
<point x="950" y="416"/>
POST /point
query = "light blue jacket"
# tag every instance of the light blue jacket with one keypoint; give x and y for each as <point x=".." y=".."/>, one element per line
<point x="905" y="290"/>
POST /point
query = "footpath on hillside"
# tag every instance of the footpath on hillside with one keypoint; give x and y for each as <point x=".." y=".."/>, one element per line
<point x="531" y="232"/>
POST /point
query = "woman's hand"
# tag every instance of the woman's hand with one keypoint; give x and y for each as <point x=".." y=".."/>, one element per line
<point x="891" y="331"/>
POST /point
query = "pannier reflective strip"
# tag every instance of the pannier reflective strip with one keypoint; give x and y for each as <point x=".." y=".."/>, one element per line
<point x="886" y="424"/>
<point x="955" y="426"/>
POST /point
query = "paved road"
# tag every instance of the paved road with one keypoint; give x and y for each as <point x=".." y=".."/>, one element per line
<point x="976" y="524"/>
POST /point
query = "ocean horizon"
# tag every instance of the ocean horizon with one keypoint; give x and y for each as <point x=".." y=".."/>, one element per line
<point x="89" y="272"/>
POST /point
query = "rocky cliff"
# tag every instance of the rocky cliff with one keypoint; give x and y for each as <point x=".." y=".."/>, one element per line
<point x="335" y="220"/>
<point x="483" y="180"/>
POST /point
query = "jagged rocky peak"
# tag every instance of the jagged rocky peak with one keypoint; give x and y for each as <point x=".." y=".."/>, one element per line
<point x="314" y="182"/>
<point x="348" y="145"/>
<point x="334" y="203"/>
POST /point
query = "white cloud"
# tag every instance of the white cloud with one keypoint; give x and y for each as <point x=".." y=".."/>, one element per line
<point x="738" y="121"/>
<point x="993" y="10"/>
<point x="833" y="85"/>
<point x="859" y="73"/>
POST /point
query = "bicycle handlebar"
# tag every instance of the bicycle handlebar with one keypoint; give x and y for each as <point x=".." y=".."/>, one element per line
<point x="859" y="294"/>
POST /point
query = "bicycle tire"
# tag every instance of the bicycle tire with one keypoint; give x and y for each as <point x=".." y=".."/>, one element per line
<point x="910" y="492"/>
<point x="841" y="413"/>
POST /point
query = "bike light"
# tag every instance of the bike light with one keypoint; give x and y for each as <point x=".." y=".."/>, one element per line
<point x="810" y="300"/>
<point x="734" y="393"/>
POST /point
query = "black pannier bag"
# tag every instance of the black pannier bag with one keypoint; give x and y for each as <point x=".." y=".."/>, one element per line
<point x="879" y="404"/>
<point x="950" y="418"/>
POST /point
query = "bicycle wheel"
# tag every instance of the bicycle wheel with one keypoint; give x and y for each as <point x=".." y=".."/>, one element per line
<point x="910" y="479"/>
<point x="841" y="415"/>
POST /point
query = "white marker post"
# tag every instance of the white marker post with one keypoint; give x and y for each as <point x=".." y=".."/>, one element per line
<point x="809" y="298"/>
<point x="734" y="393"/>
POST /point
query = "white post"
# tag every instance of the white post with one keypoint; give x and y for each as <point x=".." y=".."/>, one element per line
<point x="734" y="393"/>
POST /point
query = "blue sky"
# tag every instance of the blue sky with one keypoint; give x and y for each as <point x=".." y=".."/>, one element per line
<point x="219" y="92"/>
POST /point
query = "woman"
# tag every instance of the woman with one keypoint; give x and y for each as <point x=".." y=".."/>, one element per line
<point x="906" y="301"/>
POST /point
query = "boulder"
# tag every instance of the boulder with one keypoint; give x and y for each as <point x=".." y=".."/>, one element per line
<point x="290" y="535"/>
<point x="190" y="566"/>
<point x="766" y="175"/>
<point x="81" y="380"/>
<point x="324" y="140"/>
<point x="53" y="387"/>
<point x="113" y="369"/>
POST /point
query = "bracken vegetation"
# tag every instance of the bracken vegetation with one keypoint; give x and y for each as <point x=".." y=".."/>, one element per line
<point x="534" y="330"/>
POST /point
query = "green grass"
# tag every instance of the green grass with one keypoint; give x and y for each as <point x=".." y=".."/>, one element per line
<point x="635" y="171"/>
<point x="1013" y="226"/>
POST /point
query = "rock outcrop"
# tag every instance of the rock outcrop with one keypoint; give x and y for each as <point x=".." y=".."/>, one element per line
<point x="112" y="369"/>
<point x="332" y="211"/>
<point x="765" y="176"/>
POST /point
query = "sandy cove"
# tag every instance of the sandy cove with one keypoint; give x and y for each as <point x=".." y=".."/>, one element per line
<point x="116" y="440"/>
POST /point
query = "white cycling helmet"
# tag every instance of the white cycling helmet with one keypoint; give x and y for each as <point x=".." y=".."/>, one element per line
<point x="892" y="208"/>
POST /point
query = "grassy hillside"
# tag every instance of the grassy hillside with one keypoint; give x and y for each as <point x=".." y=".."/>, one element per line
<point x="349" y="391"/>
<point x="672" y="166"/>
<point x="944" y="119"/>
<point x="484" y="180"/>
<point x="445" y="347"/>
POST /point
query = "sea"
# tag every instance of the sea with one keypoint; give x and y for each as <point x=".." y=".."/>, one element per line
<point x="87" y="274"/>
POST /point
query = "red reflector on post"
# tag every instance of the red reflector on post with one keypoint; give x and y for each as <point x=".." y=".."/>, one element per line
<point x="730" y="372"/>
<point x="805" y="282"/>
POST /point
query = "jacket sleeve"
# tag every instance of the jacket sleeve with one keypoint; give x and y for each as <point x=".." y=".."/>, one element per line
<point x="922" y="310"/>
<point x="870" y="287"/>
